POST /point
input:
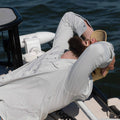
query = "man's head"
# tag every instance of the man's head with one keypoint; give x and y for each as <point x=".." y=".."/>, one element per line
<point x="77" y="45"/>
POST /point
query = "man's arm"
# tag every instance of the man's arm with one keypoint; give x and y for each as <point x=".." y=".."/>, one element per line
<point x="69" y="23"/>
<point x="98" y="55"/>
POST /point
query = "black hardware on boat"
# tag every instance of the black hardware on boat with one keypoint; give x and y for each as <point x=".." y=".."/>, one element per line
<point x="9" y="21"/>
<point x="114" y="112"/>
<point x="6" y="46"/>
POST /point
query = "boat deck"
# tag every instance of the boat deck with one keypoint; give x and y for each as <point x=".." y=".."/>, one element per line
<point x="73" y="112"/>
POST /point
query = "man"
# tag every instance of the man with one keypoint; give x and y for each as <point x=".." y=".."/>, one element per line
<point x="49" y="82"/>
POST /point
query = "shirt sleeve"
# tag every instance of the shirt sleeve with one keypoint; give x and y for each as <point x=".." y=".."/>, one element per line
<point x="69" y="24"/>
<point x="96" y="55"/>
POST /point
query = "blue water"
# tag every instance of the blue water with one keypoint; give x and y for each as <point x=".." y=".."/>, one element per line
<point x="44" y="15"/>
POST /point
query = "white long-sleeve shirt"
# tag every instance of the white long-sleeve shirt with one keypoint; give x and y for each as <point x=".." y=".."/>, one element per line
<point x="49" y="82"/>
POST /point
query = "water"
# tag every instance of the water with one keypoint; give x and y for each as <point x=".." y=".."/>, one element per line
<point x="44" y="15"/>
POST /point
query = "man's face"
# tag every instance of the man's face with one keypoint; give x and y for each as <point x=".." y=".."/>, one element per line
<point x="89" y="42"/>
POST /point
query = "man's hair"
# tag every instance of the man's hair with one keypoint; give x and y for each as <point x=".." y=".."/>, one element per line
<point x="76" y="45"/>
